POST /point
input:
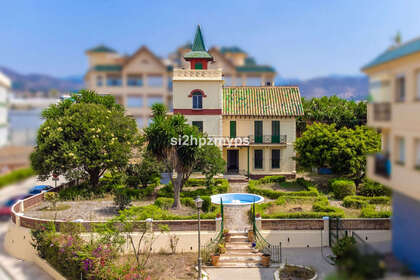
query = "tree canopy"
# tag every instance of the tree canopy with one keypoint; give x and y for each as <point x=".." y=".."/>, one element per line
<point x="165" y="140"/>
<point x="332" y="110"/>
<point x="82" y="137"/>
<point x="343" y="150"/>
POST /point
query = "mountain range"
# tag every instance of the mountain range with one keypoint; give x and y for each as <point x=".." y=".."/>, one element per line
<point x="348" y="87"/>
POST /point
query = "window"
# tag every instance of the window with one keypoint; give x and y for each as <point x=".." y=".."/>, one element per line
<point x="418" y="85"/>
<point x="134" y="81"/>
<point x="113" y="81"/>
<point x="197" y="100"/>
<point x="154" y="99"/>
<point x="99" y="81"/>
<point x="199" y="125"/>
<point x="232" y="129"/>
<point x="258" y="131"/>
<point x="139" y="122"/>
<point x="275" y="131"/>
<point x="417" y="147"/>
<point x="155" y="81"/>
<point x="400" y="88"/>
<point x="275" y="158"/>
<point x="258" y="159"/>
<point x="401" y="150"/>
<point x="253" y="81"/>
<point x="198" y="65"/>
<point x="134" y="101"/>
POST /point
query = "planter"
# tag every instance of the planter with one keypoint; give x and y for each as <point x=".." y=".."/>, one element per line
<point x="250" y="235"/>
<point x="290" y="271"/>
<point x="215" y="260"/>
<point x="227" y="237"/>
<point x="265" y="260"/>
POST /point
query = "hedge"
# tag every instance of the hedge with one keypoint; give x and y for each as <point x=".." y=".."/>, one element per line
<point x="372" y="188"/>
<point x="253" y="188"/>
<point x="342" y="188"/>
<point x="221" y="186"/>
<point x="322" y="205"/>
<point x="156" y="213"/>
<point x="166" y="202"/>
<point x="370" y="212"/>
<point x="272" y="179"/>
<point x="294" y="199"/>
<point x="357" y="201"/>
<point x="16" y="176"/>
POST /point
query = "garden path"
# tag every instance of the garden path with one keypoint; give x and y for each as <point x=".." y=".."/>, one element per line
<point x="236" y="217"/>
<point x="238" y="187"/>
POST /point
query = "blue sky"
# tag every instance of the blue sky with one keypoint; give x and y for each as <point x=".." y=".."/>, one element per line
<point x="301" y="39"/>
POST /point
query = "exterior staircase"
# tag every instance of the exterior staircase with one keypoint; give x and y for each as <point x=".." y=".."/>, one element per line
<point x="239" y="253"/>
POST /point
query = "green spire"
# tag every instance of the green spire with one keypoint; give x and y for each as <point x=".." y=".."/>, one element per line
<point x="198" y="48"/>
<point x="198" y="44"/>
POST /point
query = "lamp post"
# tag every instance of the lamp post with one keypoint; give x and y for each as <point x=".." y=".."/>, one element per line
<point x="198" y="204"/>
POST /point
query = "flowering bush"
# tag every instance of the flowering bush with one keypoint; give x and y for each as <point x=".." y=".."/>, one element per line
<point x="76" y="258"/>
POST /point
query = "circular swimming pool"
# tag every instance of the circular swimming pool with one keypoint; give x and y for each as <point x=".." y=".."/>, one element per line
<point x="236" y="198"/>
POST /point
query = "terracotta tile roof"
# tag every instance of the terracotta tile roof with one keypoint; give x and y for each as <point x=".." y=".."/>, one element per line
<point x="262" y="101"/>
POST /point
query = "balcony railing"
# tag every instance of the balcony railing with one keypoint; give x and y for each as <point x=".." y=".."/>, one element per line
<point x="268" y="139"/>
<point x="383" y="165"/>
<point x="382" y="111"/>
<point x="194" y="74"/>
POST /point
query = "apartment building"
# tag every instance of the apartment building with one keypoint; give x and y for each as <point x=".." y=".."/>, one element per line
<point x="394" y="109"/>
<point x="259" y="121"/>
<point x="5" y="85"/>
<point x="139" y="80"/>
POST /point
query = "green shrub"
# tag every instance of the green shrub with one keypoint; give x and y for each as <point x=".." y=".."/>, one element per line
<point x="16" y="176"/>
<point x="357" y="201"/>
<point x="372" y="188"/>
<point x="122" y="197"/>
<point x="81" y="192"/>
<point x="322" y="205"/>
<point x="164" y="202"/>
<point x="369" y="211"/>
<point x="342" y="188"/>
<point x="221" y="186"/>
<point x="353" y="201"/>
<point x="52" y="198"/>
<point x="272" y="179"/>
<point x="157" y="213"/>
<point x="253" y="188"/>
<point x="188" y="201"/>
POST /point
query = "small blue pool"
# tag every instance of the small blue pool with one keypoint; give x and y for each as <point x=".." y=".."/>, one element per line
<point x="236" y="198"/>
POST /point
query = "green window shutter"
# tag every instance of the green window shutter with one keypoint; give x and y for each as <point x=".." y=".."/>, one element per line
<point x="232" y="129"/>
<point x="258" y="130"/>
<point x="198" y="65"/>
<point x="275" y="131"/>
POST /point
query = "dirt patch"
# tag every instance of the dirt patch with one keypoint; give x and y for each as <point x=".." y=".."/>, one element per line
<point x="283" y="187"/>
<point x="183" y="211"/>
<point x="291" y="272"/>
<point x="171" y="267"/>
<point x="290" y="208"/>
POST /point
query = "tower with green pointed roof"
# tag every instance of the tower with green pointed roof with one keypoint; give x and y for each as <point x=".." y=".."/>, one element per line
<point x="198" y="56"/>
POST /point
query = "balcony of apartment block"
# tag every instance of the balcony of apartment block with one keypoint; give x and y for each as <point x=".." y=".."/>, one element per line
<point x="197" y="74"/>
<point x="379" y="114"/>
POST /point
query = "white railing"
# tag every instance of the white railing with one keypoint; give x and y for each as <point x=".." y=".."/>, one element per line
<point x="194" y="74"/>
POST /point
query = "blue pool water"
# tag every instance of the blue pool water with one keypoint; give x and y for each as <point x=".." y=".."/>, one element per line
<point x="236" y="198"/>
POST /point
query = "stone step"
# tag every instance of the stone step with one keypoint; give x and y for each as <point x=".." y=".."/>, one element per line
<point x="243" y="253"/>
<point x="238" y="233"/>
<point x="239" y="264"/>
<point x="240" y="258"/>
<point x="239" y="245"/>
<point x="235" y="239"/>
<point x="240" y="251"/>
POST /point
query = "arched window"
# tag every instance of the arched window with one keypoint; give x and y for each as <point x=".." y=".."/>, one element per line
<point x="197" y="98"/>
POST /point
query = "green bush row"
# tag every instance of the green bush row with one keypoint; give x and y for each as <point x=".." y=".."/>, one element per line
<point x="357" y="201"/>
<point x="221" y="186"/>
<point x="294" y="199"/>
<point x="302" y="215"/>
<point x="166" y="202"/>
<point x="272" y="179"/>
<point x="253" y="188"/>
<point x="157" y="213"/>
<point x="369" y="211"/>
<point x="322" y="205"/>
<point x="16" y="176"/>
<point x="372" y="188"/>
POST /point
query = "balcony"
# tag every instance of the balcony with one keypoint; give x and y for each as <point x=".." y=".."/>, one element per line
<point x="383" y="165"/>
<point x="267" y="139"/>
<point x="194" y="74"/>
<point x="382" y="111"/>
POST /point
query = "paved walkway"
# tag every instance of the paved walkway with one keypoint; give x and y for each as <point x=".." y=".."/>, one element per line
<point x="303" y="256"/>
<point x="20" y="270"/>
<point x="238" y="187"/>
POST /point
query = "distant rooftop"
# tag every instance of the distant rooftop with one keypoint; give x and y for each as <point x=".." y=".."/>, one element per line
<point x="392" y="53"/>
<point x="233" y="49"/>
<point x="101" y="48"/>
